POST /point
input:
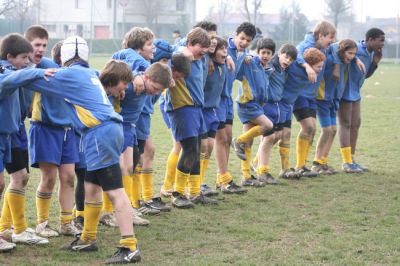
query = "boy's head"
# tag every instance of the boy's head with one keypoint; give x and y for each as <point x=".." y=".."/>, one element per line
<point x="221" y="50"/>
<point x="56" y="52"/>
<point x="375" y="39"/>
<point x="180" y="65"/>
<point x="208" y="26"/>
<point x="74" y="49"/>
<point x="265" y="49"/>
<point x="198" y="42"/>
<point x="324" y="34"/>
<point x="156" y="78"/>
<point x="245" y="33"/>
<point x="176" y="34"/>
<point x="15" y="49"/>
<point x="162" y="52"/>
<point x="315" y="58"/>
<point x="287" y="54"/>
<point x="38" y="37"/>
<point x="115" y="77"/>
<point x="140" y="40"/>
<point x="347" y="50"/>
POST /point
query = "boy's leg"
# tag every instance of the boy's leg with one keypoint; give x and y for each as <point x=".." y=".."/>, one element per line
<point x="170" y="170"/>
<point x="245" y="164"/>
<point x="263" y="165"/>
<point x="4" y="245"/>
<point x="80" y="197"/>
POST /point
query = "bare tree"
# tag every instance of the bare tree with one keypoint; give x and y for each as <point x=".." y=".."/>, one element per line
<point x="6" y="6"/>
<point x="252" y="15"/>
<point x="151" y="12"/>
<point x="338" y="9"/>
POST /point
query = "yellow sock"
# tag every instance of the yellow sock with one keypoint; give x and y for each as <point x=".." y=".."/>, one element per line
<point x="146" y="178"/>
<point x="170" y="171"/>
<point x="16" y="203"/>
<point x="128" y="242"/>
<point x="225" y="178"/>
<point x="79" y="213"/>
<point x="66" y="216"/>
<point x="136" y="187"/>
<point x="92" y="217"/>
<point x="346" y="155"/>
<point x="43" y="201"/>
<point x="127" y="182"/>
<point x="107" y="204"/>
<point x="6" y="218"/>
<point x="320" y="161"/>
<point x="324" y="160"/>
<point x="246" y="163"/>
<point x="250" y="134"/>
<point x="180" y="181"/>
<point x="203" y="166"/>
<point x="302" y="146"/>
<point x="194" y="185"/>
<point x="284" y="153"/>
<point x="263" y="169"/>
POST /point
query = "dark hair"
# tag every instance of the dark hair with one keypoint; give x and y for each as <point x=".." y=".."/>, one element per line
<point x="289" y="49"/>
<point x="177" y="32"/>
<point x="258" y="30"/>
<point x="14" y="44"/>
<point x="115" y="71"/>
<point x="266" y="43"/>
<point x="248" y="29"/>
<point x="56" y="52"/>
<point x="373" y="33"/>
<point x="180" y="63"/>
<point x="345" y="45"/>
<point x="206" y="25"/>
<point x="198" y="36"/>
<point x="221" y="43"/>
<point x="36" y="31"/>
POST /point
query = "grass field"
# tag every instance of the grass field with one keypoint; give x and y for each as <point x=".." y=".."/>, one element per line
<point x="329" y="220"/>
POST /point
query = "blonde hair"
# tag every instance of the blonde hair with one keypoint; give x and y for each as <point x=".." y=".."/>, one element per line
<point x="115" y="71"/>
<point x="198" y="36"/>
<point x="324" y="28"/>
<point x="136" y="37"/>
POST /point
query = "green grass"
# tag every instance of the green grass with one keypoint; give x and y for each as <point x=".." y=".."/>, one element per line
<point x="329" y="220"/>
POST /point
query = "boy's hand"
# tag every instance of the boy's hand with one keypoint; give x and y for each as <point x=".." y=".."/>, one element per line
<point x="138" y="84"/>
<point x="247" y="60"/>
<point x="377" y="56"/>
<point x="361" y="65"/>
<point x="230" y="64"/>
<point x="211" y="67"/>
<point x="173" y="84"/>
<point x="336" y="72"/>
<point x="312" y="76"/>
<point x="49" y="73"/>
<point x="188" y="53"/>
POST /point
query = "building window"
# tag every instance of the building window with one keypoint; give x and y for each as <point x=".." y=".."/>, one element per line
<point x="180" y="5"/>
<point x="109" y="4"/>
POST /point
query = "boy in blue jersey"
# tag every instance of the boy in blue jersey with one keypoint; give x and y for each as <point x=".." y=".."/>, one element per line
<point x="370" y="53"/>
<point x="296" y="82"/>
<point x="274" y="109"/>
<point x="305" y="105"/>
<point x="14" y="52"/>
<point x="329" y="94"/>
<point x="14" y="204"/>
<point x="237" y="46"/>
<point x="93" y="114"/>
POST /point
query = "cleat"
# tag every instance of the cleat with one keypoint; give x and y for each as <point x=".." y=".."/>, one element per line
<point x="363" y="168"/>
<point x="124" y="255"/>
<point x="6" y="246"/>
<point x="330" y="169"/>
<point x="148" y="209"/>
<point x="80" y="245"/>
<point x="158" y="204"/>
<point x="6" y="234"/>
<point x="201" y="199"/>
<point x="252" y="182"/>
<point x="180" y="201"/>
<point x="288" y="174"/>
<point x="207" y="191"/>
<point x="69" y="229"/>
<point x="166" y="193"/>
<point x="79" y="222"/>
<point x="239" y="149"/>
<point x="319" y="168"/>
<point x="305" y="172"/>
<point x="137" y="220"/>
<point x="351" y="168"/>
<point x="267" y="179"/>
<point x="29" y="237"/>
<point x="136" y="212"/>
<point x="44" y="230"/>
<point x="108" y="219"/>
<point x="232" y="188"/>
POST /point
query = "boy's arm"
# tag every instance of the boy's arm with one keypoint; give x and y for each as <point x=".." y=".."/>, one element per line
<point x="374" y="65"/>
<point x="16" y="79"/>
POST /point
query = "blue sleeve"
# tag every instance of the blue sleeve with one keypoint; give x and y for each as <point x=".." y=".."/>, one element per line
<point x="371" y="70"/>
<point x="19" y="78"/>
<point x="240" y="73"/>
<point x="334" y="50"/>
<point x="301" y="47"/>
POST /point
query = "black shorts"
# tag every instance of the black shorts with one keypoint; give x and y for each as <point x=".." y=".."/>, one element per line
<point x="19" y="161"/>
<point x="108" y="178"/>
<point x="304" y="113"/>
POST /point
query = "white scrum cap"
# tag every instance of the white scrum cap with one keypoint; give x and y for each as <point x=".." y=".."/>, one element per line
<point x="74" y="46"/>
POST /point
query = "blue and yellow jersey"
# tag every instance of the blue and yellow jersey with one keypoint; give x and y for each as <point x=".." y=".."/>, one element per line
<point x="296" y="82"/>
<point x="330" y="89"/>
<point x="238" y="59"/>
<point x="48" y="109"/>
<point x="214" y="86"/>
<point x="150" y="101"/>
<point x="10" y="115"/>
<point x="78" y="85"/>
<point x="187" y="91"/>
<point x="255" y="80"/>
<point x="309" y="42"/>
<point x="277" y="80"/>
<point x="356" y="76"/>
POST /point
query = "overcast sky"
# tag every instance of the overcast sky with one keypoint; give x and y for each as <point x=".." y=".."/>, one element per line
<point x="315" y="9"/>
